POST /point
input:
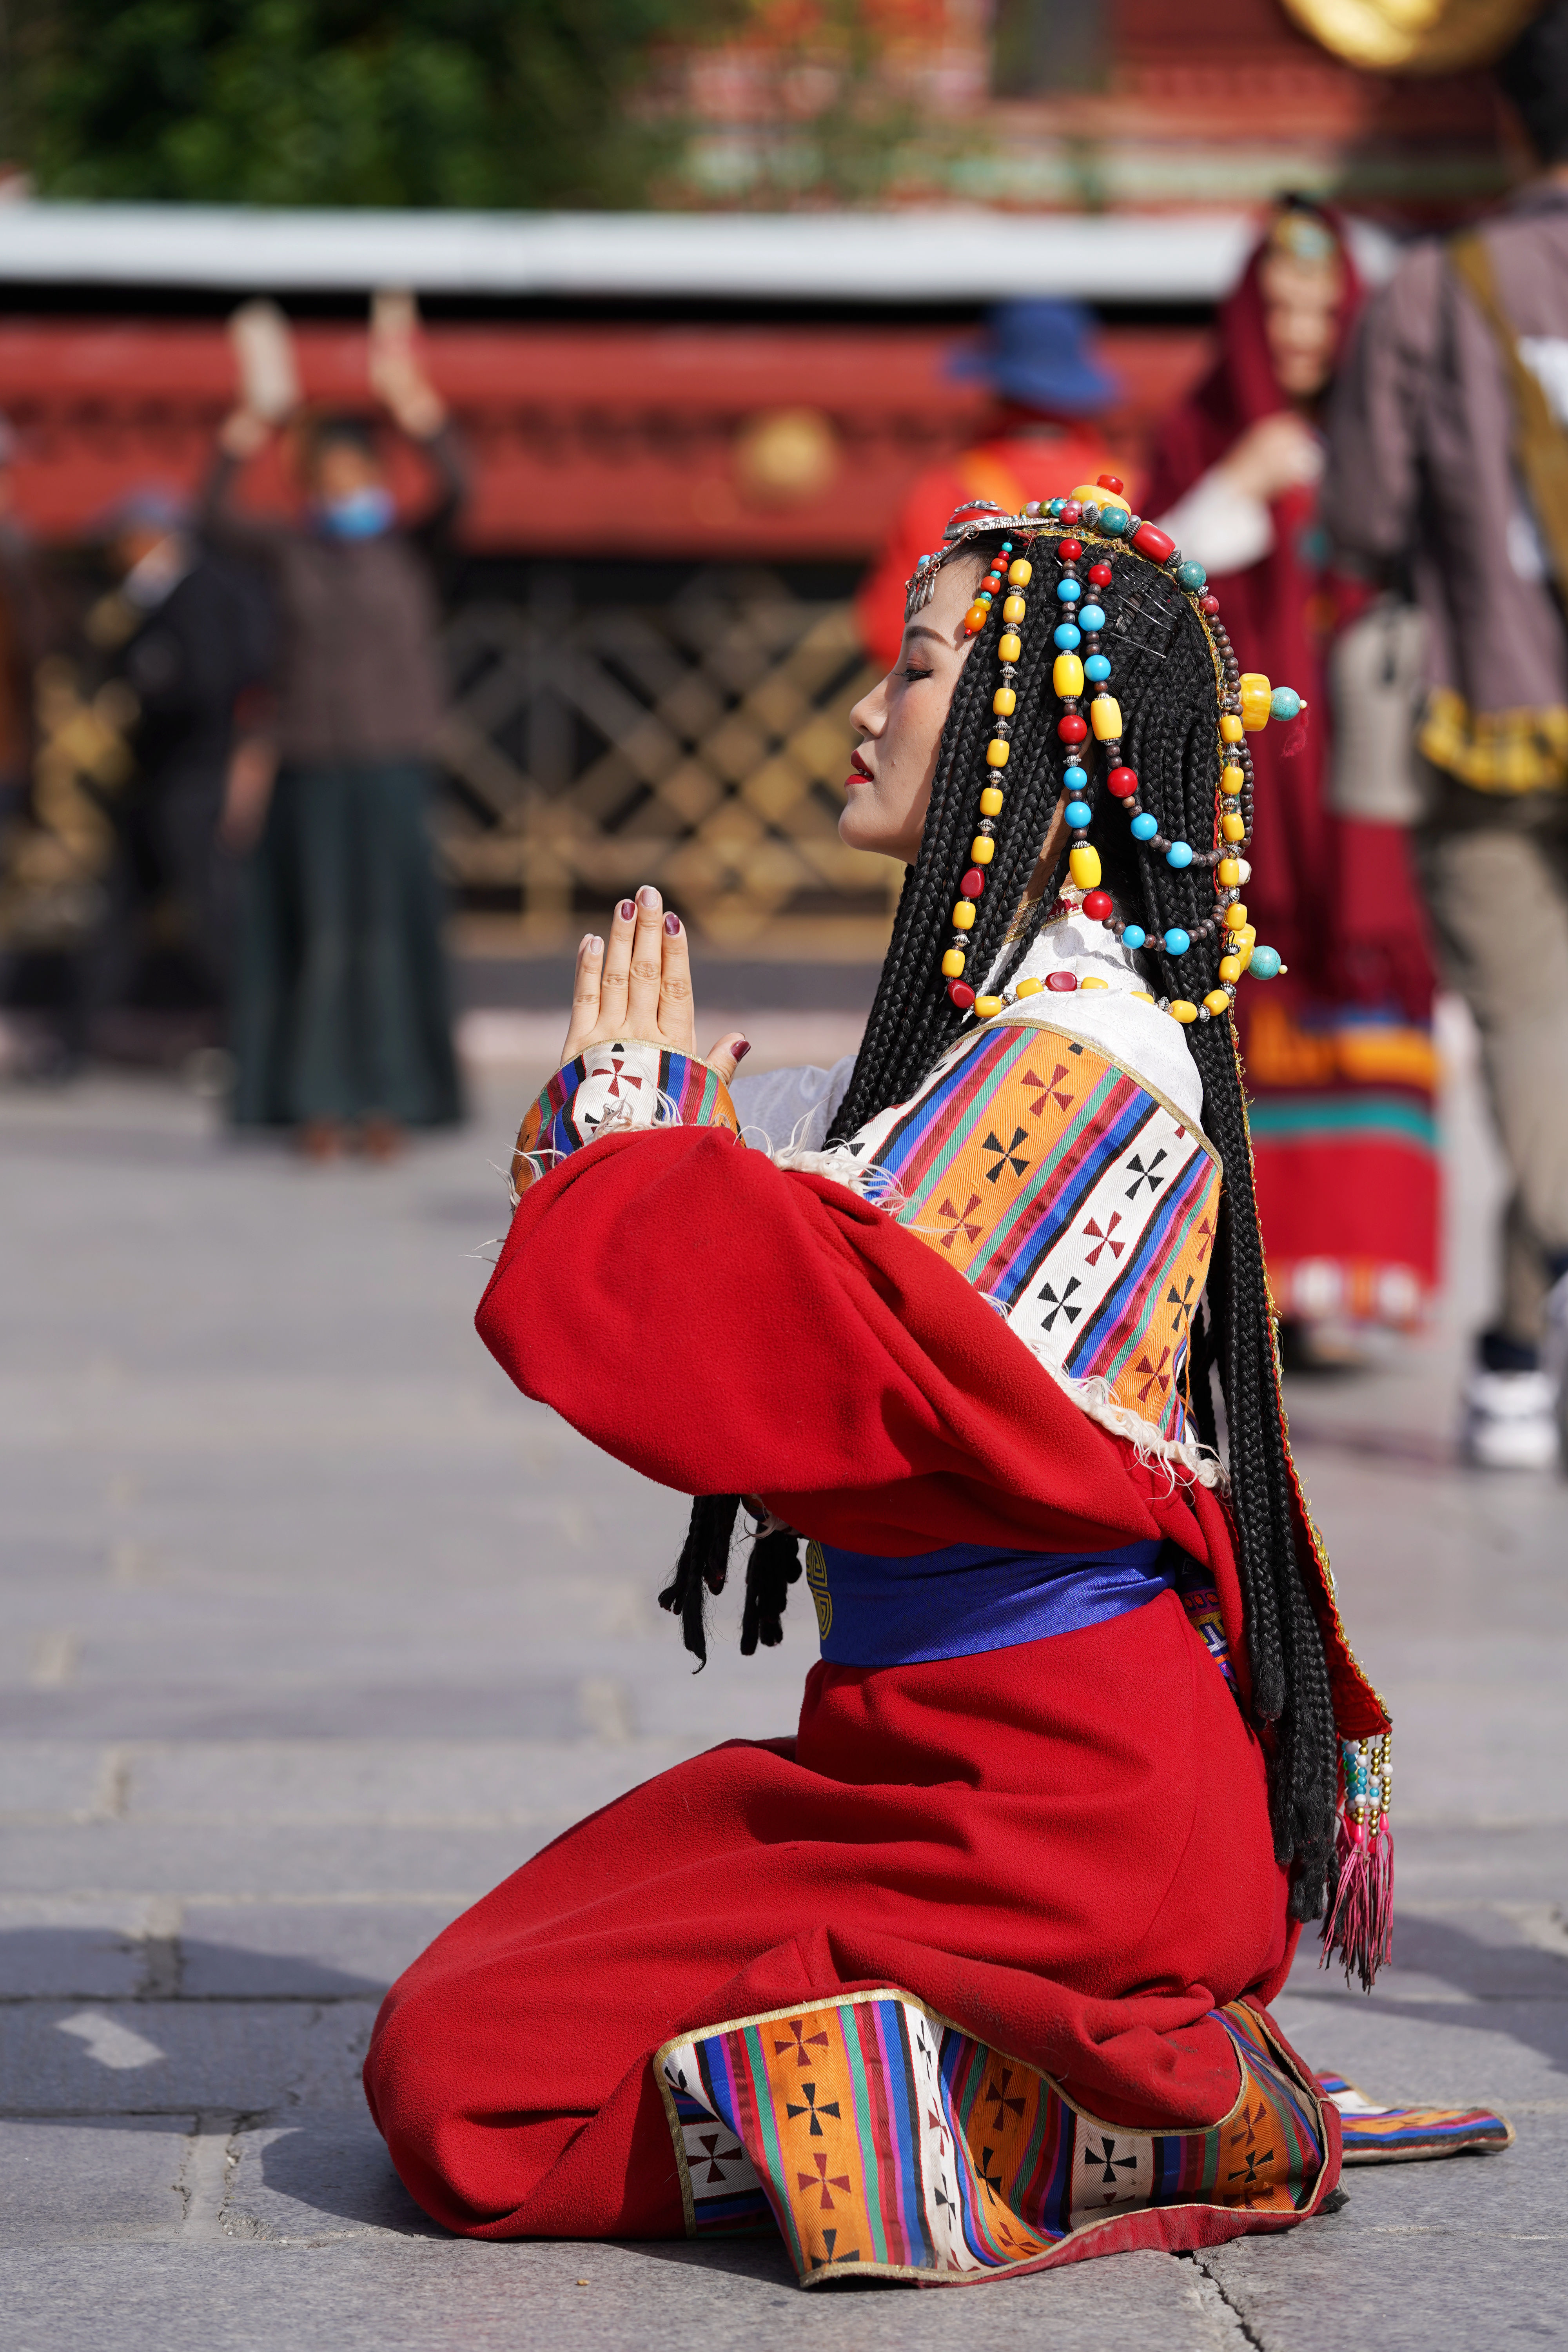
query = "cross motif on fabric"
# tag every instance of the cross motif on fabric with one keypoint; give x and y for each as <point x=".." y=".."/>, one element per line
<point x="829" y="2107"/>
<point x="618" y="1066"/>
<point x="802" y="2043"/>
<point x="1156" y="1373"/>
<point x="1059" y="1305"/>
<point x="716" y="2163"/>
<point x="1142" y="1175"/>
<point x="1106" y="2155"/>
<point x="957" y="1220"/>
<point x="1250" y="2188"/>
<point x="1050" y="1088"/>
<point x="998" y="2091"/>
<point x="1250" y="2119"/>
<point x="1182" y="1300"/>
<point x="827" y="2183"/>
<point x="923" y="2046"/>
<point x="934" y="2123"/>
<point x="1005" y="1153"/>
<point x="1102" y="1240"/>
<point x="828" y="2255"/>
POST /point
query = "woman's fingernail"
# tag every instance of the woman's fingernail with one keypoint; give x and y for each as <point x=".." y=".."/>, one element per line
<point x="592" y="944"/>
<point x="740" y="1048"/>
<point x="649" y="896"/>
<point x="626" y="910"/>
<point x="672" y="925"/>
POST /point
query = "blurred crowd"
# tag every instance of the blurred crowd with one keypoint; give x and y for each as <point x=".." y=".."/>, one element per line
<point x="1378" y="488"/>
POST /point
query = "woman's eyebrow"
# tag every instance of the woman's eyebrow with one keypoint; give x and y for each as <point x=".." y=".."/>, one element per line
<point x="921" y="631"/>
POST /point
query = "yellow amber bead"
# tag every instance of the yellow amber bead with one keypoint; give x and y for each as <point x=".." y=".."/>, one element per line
<point x="963" y="915"/>
<point x="1181" y="1009"/>
<point x="1013" y="609"/>
<point x="1090" y="494"/>
<point x="1029" y="988"/>
<point x="1066" y="674"/>
<point x="1217" y="1000"/>
<point x="1235" y="918"/>
<point x="1083" y="862"/>
<point x="952" y="964"/>
<point x="1227" y="873"/>
<point x="982" y="849"/>
<point x="1255" y="696"/>
<point x="1105" y="718"/>
<point x="1009" y="646"/>
<point x="1230" y="969"/>
<point x="991" y="802"/>
<point x="1003" y="702"/>
<point x="1141" y="996"/>
<point x="997" y="753"/>
<point x="1092" y="983"/>
<point x="1231" y="781"/>
<point x="986" y="1008"/>
<point x="1020" y="571"/>
<point x="1230" y="729"/>
<point x="1233" y="826"/>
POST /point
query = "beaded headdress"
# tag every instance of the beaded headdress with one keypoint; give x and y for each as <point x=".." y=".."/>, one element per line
<point x="1065" y="532"/>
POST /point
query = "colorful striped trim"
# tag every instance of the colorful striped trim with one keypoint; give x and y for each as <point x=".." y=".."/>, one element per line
<point x="1408" y="2135"/>
<point x="1329" y="1118"/>
<point x="877" y="2134"/>
<point x="631" y="1085"/>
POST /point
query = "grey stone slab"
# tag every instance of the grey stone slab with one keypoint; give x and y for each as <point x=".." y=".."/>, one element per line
<point x="321" y="2176"/>
<point x="255" y="1951"/>
<point x="86" y="1948"/>
<point x="80" y="2183"/>
<point x="423" y="2296"/>
<point x="49" y="1775"/>
<point x="205" y="1858"/>
<point x="1340" y="2287"/>
<point x="1456" y="2053"/>
<point x="327" y="1709"/>
<point x="141" y="2057"/>
<point x="407" y="1783"/>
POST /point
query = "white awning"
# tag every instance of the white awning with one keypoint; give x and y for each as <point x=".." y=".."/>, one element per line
<point x="946" y="256"/>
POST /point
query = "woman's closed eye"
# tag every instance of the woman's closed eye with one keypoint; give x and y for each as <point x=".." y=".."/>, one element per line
<point x="914" y="671"/>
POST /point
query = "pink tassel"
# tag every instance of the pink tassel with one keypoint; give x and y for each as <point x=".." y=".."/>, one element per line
<point x="1359" y="1929"/>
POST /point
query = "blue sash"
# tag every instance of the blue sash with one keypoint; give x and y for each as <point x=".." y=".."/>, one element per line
<point x="877" y="1611"/>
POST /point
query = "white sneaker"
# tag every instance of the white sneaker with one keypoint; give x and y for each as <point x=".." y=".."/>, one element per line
<point x="1510" y="1421"/>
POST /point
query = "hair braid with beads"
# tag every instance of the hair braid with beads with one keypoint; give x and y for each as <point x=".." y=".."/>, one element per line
<point x="1169" y="683"/>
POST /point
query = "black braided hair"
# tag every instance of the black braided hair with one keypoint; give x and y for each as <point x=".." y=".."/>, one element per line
<point x="1171" y="674"/>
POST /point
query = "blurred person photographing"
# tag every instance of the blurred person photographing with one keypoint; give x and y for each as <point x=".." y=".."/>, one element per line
<point x="1448" y="463"/>
<point x="1339" y="1056"/>
<point x="342" y="1029"/>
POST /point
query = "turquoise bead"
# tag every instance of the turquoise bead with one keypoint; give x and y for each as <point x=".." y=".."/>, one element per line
<point x="1070" y="590"/>
<point x="1176" y="940"/>
<point x="1134" y="936"/>
<point x="1265" y="964"/>
<point x="1179" y="854"/>
<point x="1098" y="668"/>
<point x="1067" y="637"/>
<point x="1075" y="778"/>
<point x="1284" y="702"/>
<point x="1078" y="813"/>
<point x="1092" y="616"/>
<point x="1144" y="826"/>
<point x="1056" y="506"/>
<point x="1113" y="521"/>
<point x="1191" y="576"/>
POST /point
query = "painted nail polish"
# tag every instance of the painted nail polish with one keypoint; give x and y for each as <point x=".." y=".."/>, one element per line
<point x="740" y="1048"/>
<point x="672" y="925"/>
<point x="626" y="910"/>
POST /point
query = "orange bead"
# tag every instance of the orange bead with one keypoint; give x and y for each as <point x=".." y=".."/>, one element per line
<point x="974" y="620"/>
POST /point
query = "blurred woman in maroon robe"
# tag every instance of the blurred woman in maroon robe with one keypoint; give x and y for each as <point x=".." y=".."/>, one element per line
<point x="1339" y="1055"/>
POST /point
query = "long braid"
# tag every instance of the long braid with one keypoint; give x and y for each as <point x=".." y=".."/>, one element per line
<point x="1166" y="683"/>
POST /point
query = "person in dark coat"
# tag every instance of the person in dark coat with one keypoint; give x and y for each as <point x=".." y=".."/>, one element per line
<point x="343" y="1024"/>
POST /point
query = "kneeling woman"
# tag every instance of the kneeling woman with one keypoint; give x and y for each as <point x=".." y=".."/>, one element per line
<point x="971" y="1974"/>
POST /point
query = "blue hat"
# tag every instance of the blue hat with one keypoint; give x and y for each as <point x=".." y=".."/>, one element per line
<point x="1038" y="354"/>
<point x="151" y="506"/>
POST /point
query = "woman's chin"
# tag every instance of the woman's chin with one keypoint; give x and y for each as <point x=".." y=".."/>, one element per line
<point x="858" y="829"/>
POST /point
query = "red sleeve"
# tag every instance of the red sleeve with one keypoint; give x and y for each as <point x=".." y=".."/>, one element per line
<point x="725" y="1327"/>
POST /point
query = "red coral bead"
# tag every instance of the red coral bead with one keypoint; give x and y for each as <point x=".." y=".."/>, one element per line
<point x="972" y="883"/>
<point x="1070" y="549"/>
<point x="1156" y="545"/>
<point x="1062" y="980"/>
<point x="1122" y="783"/>
<point x="1209" y="604"/>
<point x="1070" y="511"/>
<point x="1097" y="906"/>
<point x="961" y="994"/>
<point x="1110" y="482"/>
<point x="1072" y="728"/>
<point x="1099" y="575"/>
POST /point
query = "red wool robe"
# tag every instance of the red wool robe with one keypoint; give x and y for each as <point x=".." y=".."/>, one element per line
<point x="1063" y="1846"/>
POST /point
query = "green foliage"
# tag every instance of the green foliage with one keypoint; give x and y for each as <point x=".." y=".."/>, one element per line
<point x="465" y="102"/>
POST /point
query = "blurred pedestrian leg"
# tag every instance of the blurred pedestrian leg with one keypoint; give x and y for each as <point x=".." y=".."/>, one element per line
<point x="343" y="1018"/>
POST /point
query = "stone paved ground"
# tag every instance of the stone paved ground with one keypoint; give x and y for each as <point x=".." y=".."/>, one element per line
<point x="313" y="1628"/>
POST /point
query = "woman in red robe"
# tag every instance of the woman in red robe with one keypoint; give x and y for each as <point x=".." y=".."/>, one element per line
<point x="968" y="1975"/>
<point x="1340" y="1061"/>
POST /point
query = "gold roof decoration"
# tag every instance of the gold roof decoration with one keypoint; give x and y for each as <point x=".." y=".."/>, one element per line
<point x="1413" y="36"/>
